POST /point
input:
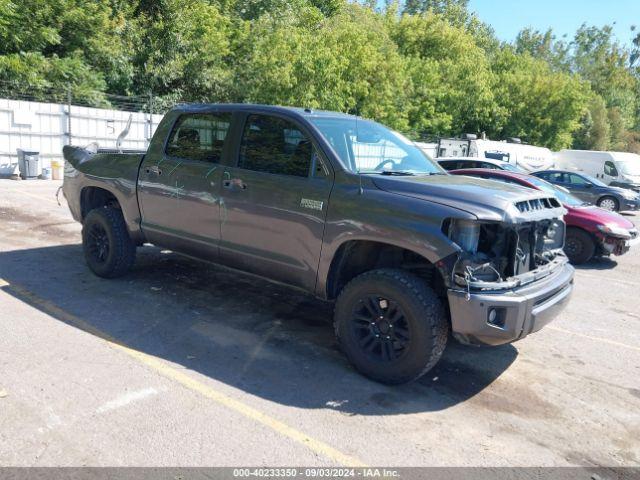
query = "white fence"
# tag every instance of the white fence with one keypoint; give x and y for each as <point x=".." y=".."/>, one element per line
<point x="46" y="127"/>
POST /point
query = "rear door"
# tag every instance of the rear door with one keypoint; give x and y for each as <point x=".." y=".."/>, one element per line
<point x="275" y="202"/>
<point x="179" y="190"/>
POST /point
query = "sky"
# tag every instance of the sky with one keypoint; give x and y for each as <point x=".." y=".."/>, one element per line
<point x="508" y="17"/>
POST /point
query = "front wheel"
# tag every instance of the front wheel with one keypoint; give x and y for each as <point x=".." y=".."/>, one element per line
<point x="609" y="203"/>
<point x="108" y="248"/>
<point x="391" y="325"/>
<point x="579" y="246"/>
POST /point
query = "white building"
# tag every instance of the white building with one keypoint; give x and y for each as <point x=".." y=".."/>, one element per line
<point x="47" y="127"/>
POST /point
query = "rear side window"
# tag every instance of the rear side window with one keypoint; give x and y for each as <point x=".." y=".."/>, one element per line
<point x="275" y="145"/>
<point x="449" y="165"/>
<point x="199" y="136"/>
<point x="554" y="177"/>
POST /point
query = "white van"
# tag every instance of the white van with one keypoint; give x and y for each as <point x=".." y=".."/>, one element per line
<point x="618" y="169"/>
<point x="527" y="157"/>
<point x="431" y="149"/>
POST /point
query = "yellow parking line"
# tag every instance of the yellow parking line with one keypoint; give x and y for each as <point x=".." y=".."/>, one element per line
<point x="591" y="337"/>
<point x="185" y="380"/>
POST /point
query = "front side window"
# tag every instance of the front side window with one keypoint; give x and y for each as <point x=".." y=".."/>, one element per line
<point x="610" y="169"/>
<point x="577" y="180"/>
<point x="467" y="164"/>
<point x="199" y="136"/>
<point x="275" y="145"/>
<point x="489" y="166"/>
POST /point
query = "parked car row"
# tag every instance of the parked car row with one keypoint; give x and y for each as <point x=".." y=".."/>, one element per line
<point x="613" y="169"/>
<point x="592" y="190"/>
<point x="591" y="231"/>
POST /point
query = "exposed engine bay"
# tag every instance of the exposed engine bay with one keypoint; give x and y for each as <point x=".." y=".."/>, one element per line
<point x="501" y="255"/>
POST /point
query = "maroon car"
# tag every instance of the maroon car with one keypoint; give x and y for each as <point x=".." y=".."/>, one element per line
<point x="591" y="231"/>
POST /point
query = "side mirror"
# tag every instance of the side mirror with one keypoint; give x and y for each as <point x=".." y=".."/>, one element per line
<point x="589" y="185"/>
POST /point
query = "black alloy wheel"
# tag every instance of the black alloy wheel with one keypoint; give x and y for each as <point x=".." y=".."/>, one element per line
<point x="381" y="328"/>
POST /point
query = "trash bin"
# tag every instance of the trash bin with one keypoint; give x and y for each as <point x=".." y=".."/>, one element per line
<point x="57" y="170"/>
<point x="28" y="164"/>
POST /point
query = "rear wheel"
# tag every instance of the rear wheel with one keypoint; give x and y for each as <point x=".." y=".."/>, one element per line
<point x="108" y="249"/>
<point x="609" y="203"/>
<point x="391" y="325"/>
<point x="579" y="246"/>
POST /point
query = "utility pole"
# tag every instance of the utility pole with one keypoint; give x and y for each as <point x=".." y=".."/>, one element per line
<point x="69" y="115"/>
<point x="150" y="117"/>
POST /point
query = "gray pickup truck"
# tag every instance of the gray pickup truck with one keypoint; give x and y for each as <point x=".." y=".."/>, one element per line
<point x="340" y="207"/>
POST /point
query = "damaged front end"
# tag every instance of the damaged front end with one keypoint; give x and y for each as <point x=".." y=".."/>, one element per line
<point x="505" y="255"/>
<point x="509" y="278"/>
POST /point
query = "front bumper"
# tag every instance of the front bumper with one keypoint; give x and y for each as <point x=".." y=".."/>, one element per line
<point x="518" y="312"/>
<point x="630" y="205"/>
<point x="611" y="245"/>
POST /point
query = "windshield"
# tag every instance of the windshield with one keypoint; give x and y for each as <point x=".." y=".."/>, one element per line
<point x="564" y="197"/>
<point x="368" y="147"/>
<point x="629" y="168"/>
<point x="511" y="167"/>
<point x="595" y="181"/>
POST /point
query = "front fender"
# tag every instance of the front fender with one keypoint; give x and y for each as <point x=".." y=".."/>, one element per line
<point x="379" y="216"/>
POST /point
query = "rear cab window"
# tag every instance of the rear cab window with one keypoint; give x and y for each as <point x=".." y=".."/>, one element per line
<point x="199" y="136"/>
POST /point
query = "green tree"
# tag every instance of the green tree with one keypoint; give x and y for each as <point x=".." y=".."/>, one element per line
<point x="595" y="130"/>
<point x="346" y="63"/>
<point x="545" y="46"/>
<point x="180" y="51"/>
<point x="451" y="79"/>
<point x="602" y="61"/>
<point x="544" y="107"/>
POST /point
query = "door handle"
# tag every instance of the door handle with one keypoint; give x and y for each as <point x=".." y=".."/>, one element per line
<point x="234" y="183"/>
<point x="154" y="169"/>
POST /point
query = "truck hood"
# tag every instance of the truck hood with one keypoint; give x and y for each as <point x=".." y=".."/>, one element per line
<point x="486" y="199"/>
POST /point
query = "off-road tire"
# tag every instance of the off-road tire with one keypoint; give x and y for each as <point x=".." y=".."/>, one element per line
<point x="425" y="318"/>
<point x="121" y="251"/>
<point x="584" y="247"/>
<point x="615" y="201"/>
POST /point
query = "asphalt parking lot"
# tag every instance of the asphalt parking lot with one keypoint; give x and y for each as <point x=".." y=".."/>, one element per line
<point x="182" y="363"/>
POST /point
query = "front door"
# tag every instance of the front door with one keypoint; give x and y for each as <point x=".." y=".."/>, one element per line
<point x="581" y="187"/>
<point x="274" y="202"/>
<point x="179" y="190"/>
<point x="610" y="172"/>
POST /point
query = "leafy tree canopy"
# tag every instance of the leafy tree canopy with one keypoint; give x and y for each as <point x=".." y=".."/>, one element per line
<point x="425" y="67"/>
